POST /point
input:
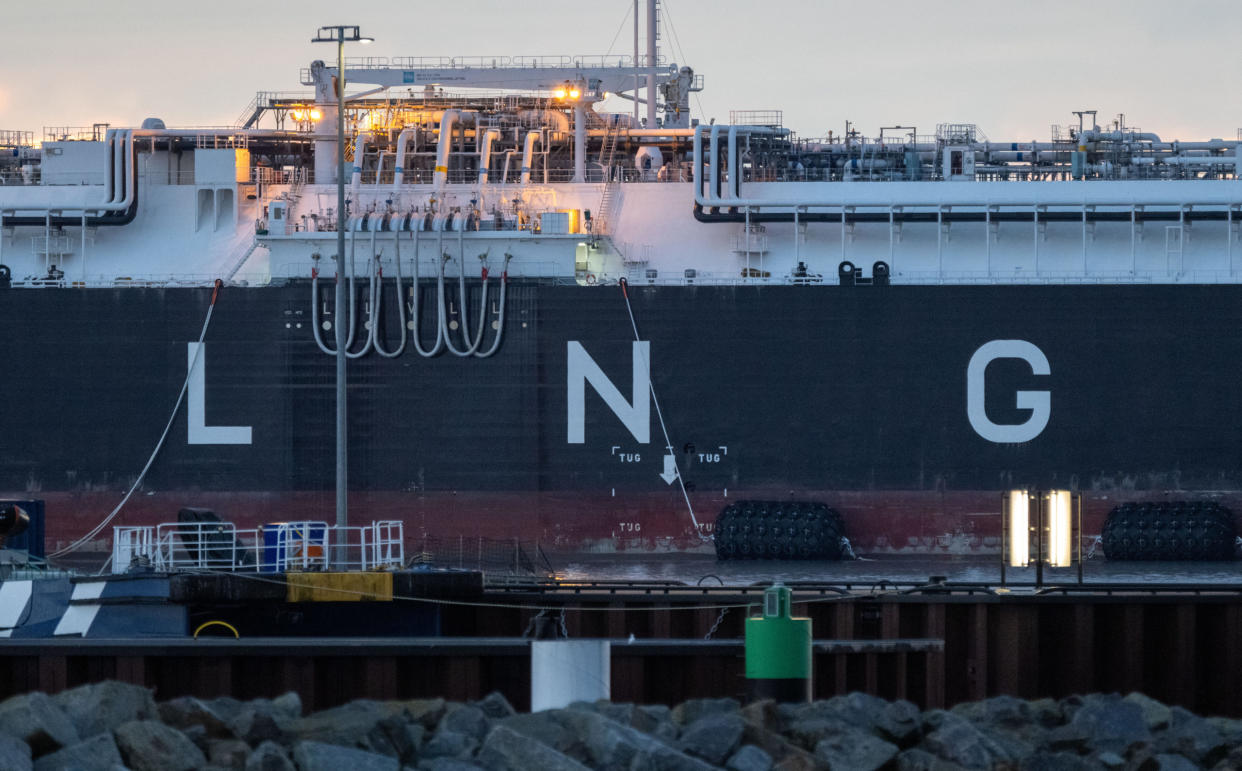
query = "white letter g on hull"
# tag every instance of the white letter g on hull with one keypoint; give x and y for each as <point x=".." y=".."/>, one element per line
<point x="1038" y="402"/>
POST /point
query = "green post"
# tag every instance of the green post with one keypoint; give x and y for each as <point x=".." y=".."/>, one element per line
<point x="778" y="650"/>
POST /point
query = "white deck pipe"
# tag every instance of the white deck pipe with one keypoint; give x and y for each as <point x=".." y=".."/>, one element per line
<point x="444" y="142"/>
<point x="485" y="153"/>
<point x="402" y="139"/>
<point x="528" y="152"/>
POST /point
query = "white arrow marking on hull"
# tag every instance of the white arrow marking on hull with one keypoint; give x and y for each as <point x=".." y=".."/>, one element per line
<point x="670" y="469"/>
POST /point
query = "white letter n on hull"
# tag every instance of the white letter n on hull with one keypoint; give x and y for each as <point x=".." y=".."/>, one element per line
<point x="582" y="368"/>
<point x="198" y="432"/>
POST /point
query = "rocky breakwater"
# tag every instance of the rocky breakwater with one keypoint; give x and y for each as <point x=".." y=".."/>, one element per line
<point x="109" y="726"/>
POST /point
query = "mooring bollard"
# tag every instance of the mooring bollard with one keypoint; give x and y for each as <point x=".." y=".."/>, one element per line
<point x="778" y="650"/>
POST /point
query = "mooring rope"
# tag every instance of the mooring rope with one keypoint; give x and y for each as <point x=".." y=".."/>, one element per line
<point x="198" y="351"/>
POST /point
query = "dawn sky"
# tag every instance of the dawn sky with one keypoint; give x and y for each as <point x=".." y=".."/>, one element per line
<point x="1011" y="67"/>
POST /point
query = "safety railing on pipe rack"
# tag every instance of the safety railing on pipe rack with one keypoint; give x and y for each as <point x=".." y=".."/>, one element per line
<point x="279" y="547"/>
<point x="493" y="62"/>
<point x="10" y="138"/>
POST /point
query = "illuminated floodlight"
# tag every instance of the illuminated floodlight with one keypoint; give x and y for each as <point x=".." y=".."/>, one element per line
<point x="1018" y="527"/>
<point x="1060" y="528"/>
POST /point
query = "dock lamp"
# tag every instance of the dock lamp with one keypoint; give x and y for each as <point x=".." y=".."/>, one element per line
<point x="340" y="34"/>
<point x="1041" y="528"/>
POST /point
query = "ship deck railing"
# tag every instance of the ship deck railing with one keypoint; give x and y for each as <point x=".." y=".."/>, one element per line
<point x="273" y="548"/>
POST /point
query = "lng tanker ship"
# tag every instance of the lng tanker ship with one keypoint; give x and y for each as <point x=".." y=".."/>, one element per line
<point x="596" y="330"/>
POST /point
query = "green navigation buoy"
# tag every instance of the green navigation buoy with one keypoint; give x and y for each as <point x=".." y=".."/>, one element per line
<point x="778" y="650"/>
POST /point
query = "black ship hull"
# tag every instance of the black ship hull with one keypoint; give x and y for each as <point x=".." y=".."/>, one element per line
<point x="909" y="409"/>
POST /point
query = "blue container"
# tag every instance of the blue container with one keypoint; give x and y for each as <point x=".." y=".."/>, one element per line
<point x="30" y="541"/>
<point x="285" y="542"/>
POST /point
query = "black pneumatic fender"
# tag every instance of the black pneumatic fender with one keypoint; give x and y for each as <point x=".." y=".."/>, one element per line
<point x="6" y="277"/>
<point x="804" y="530"/>
<point x="1175" y="531"/>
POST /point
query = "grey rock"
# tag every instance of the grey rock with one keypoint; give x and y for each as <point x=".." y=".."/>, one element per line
<point x="763" y="714"/>
<point x="915" y="759"/>
<point x="855" y="749"/>
<point x="451" y="744"/>
<point x="959" y="741"/>
<point x="35" y="719"/>
<point x="447" y="764"/>
<point x="998" y="710"/>
<point x="1046" y="712"/>
<point x="1054" y="761"/>
<point x="426" y="712"/>
<point x="269" y="756"/>
<point x="186" y="711"/>
<point x="1107" y="759"/>
<point x="1167" y="762"/>
<point x="226" y="753"/>
<point x="318" y="756"/>
<point x="507" y="750"/>
<point x="467" y="720"/>
<point x="547" y="728"/>
<point x="714" y="737"/>
<point x="14" y="754"/>
<point x="289" y="703"/>
<point x="785" y="755"/>
<point x="227" y="707"/>
<point x="98" y="753"/>
<point x="1193" y="737"/>
<point x="1232" y="761"/>
<point x="1074" y="738"/>
<point x="1110" y="723"/>
<point x="351" y="725"/>
<point x="901" y="723"/>
<point x="394" y="736"/>
<point x="1229" y="728"/>
<point x="811" y="731"/>
<point x="100" y="707"/>
<point x="689" y="711"/>
<point x="148" y="745"/>
<point x="255" y="726"/>
<point x="495" y="706"/>
<point x="1155" y="714"/>
<point x="749" y="758"/>
<point x="657" y="720"/>
<point x="612" y="745"/>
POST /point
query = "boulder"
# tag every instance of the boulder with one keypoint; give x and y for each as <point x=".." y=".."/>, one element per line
<point x="318" y="756"/>
<point x="714" y="737"/>
<point x="749" y="758"/>
<point x="226" y="753"/>
<point x="1110" y="723"/>
<point x="100" y="707"/>
<point x="98" y="753"/>
<point x="186" y="711"/>
<point x="149" y="745"/>
<point x="35" y="719"/>
<point x="959" y="741"/>
<point x="425" y="712"/>
<point x="447" y="764"/>
<point x="14" y="754"/>
<point x="689" y="711"/>
<point x="396" y="737"/>
<point x="545" y="727"/>
<point x="1167" y="762"/>
<point x="507" y="750"/>
<point x="612" y="745"/>
<point x="495" y="706"/>
<point x="1155" y="714"/>
<point x="1192" y="737"/>
<point x="269" y="756"/>
<point x="1054" y="761"/>
<point x="255" y="726"/>
<point x="855" y="749"/>
<point x="916" y="759"/>
<point x="450" y="744"/>
<point x="350" y="725"/>
<point x="467" y="720"/>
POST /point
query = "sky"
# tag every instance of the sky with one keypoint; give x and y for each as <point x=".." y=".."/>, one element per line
<point x="1013" y="67"/>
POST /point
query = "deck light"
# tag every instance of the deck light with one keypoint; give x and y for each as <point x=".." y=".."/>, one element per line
<point x="1060" y="528"/>
<point x="340" y="34"/>
<point x="1019" y="529"/>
